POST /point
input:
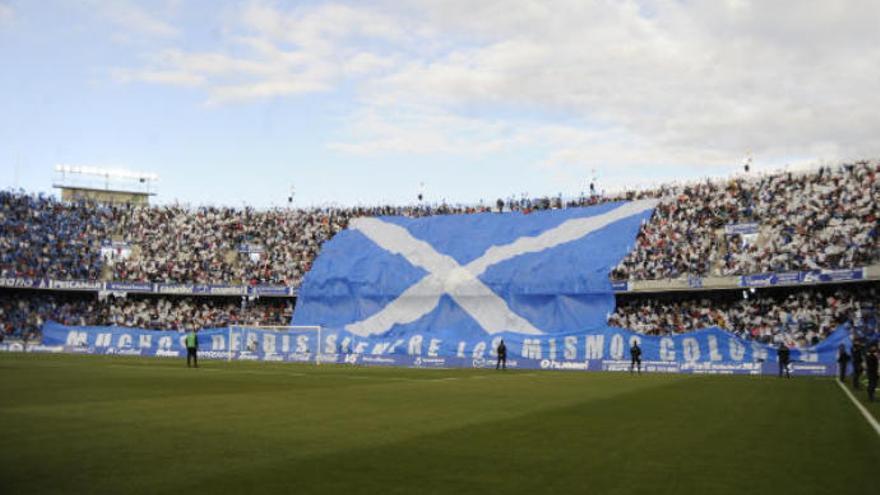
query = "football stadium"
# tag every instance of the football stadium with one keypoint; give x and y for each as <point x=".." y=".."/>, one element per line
<point x="277" y="247"/>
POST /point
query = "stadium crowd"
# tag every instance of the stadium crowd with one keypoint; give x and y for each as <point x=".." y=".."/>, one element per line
<point x="213" y="245"/>
<point x="827" y="218"/>
<point x="822" y="219"/>
<point x="797" y="317"/>
<point x="22" y="313"/>
<point x="41" y="237"/>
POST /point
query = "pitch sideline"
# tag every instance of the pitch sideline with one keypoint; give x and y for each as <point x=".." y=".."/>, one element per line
<point x="868" y="416"/>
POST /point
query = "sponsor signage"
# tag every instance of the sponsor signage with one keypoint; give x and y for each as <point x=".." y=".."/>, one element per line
<point x="619" y="285"/>
<point x="300" y="358"/>
<point x="552" y="364"/>
<point x="428" y="362"/>
<point x="833" y="275"/>
<point x="51" y="349"/>
<point x="219" y="290"/>
<point x="75" y="285"/>
<point x="270" y="290"/>
<point x="786" y="278"/>
<point x="148" y="287"/>
<point x="694" y="282"/>
<point x="809" y="277"/>
<point x="377" y="360"/>
<point x="129" y="286"/>
<point x="758" y="280"/>
<point x="755" y="368"/>
<point x="23" y="283"/>
<point x="175" y="289"/>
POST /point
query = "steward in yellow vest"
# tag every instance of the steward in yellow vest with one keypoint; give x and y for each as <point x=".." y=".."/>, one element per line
<point x="192" y="348"/>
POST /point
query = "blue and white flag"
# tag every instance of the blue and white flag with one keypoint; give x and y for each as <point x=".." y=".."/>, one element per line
<point x="469" y="276"/>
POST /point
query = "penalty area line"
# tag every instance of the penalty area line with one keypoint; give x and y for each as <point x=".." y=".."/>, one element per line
<point x="868" y="416"/>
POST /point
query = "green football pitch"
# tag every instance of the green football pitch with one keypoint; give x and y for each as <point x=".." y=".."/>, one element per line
<point x="92" y="424"/>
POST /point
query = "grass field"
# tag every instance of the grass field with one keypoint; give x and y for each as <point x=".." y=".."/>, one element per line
<point x="92" y="424"/>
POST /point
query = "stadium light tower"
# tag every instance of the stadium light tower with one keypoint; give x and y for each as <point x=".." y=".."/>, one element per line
<point x="111" y="185"/>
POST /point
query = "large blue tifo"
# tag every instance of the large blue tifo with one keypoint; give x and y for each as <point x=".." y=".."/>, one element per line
<point x="451" y="287"/>
<point x="463" y="278"/>
<point x="443" y="291"/>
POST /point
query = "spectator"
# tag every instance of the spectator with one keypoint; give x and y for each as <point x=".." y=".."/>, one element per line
<point x="799" y="317"/>
<point x="818" y="220"/>
<point x="22" y="313"/>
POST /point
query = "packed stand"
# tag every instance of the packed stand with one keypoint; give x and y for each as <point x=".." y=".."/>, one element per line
<point x="826" y="219"/>
<point x="823" y="219"/>
<point x="248" y="246"/>
<point x="44" y="238"/>
<point x="232" y="246"/>
<point x="798" y="317"/>
<point x="22" y="313"/>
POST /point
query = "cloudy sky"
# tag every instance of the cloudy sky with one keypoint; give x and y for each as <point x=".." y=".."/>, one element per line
<point x="362" y="102"/>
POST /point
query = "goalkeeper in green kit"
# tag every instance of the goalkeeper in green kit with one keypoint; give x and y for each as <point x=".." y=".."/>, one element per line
<point x="192" y="348"/>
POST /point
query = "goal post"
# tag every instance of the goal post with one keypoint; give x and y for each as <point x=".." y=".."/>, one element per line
<point x="275" y="339"/>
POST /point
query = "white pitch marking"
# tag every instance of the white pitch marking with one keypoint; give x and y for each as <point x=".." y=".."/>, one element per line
<point x="868" y="416"/>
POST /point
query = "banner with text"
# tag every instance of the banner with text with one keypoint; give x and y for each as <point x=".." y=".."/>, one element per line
<point x="703" y="351"/>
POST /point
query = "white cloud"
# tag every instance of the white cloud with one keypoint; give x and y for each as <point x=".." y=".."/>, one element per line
<point x="630" y="84"/>
<point x="690" y="83"/>
<point x="171" y="77"/>
<point x="427" y="131"/>
<point x="133" y="19"/>
<point x="282" y="53"/>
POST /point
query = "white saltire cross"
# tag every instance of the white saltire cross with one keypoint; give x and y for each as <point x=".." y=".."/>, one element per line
<point x="447" y="276"/>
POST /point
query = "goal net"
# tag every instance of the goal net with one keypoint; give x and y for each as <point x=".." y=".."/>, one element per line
<point x="275" y="343"/>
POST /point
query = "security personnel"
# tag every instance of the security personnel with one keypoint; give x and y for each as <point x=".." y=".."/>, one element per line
<point x="842" y="360"/>
<point x="192" y="348"/>
<point x="635" y="357"/>
<point x="784" y="355"/>
<point x="857" y="357"/>
<point x="502" y="356"/>
<point x="871" y="369"/>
